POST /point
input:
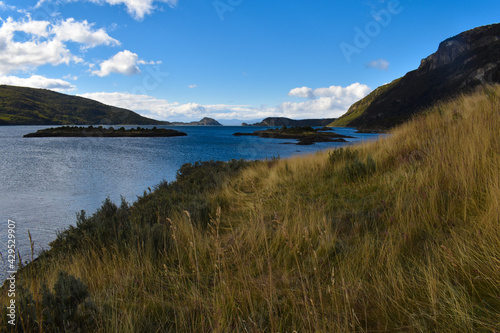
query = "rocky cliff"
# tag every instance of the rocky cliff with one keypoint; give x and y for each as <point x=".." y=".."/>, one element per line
<point x="460" y="64"/>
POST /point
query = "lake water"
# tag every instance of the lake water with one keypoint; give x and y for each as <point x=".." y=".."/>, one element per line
<point x="45" y="181"/>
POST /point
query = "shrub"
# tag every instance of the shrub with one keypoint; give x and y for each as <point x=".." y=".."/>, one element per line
<point x="69" y="307"/>
<point x="342" y="154"/>
<point x="357" y="169"/>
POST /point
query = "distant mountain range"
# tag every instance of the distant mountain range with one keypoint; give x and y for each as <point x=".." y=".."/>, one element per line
<point x="460" y="64"/>
<point x="281" y="121"/>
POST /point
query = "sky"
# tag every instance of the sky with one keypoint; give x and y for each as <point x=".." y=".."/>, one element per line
<point x="232" y="60"/>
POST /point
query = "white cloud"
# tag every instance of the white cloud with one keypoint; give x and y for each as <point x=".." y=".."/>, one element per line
<point x="124" y="62"/>
<point x="192" y="86"/>
<point x="162" y="109"/>
<point x="70" y="77"/>
<point x="131" y="101"/>
<point x="16" y="56"/>
<point x="3" y="6"/>
<point x="37" y="81"/>
<point x="379" y="64"/>
<point x="136" y="8"/>
<point x="81" y="32"/>
<point x="355" y="91"/>
<point x="45" y="43"/>
<point x="303" y="92"/>
<point x="328" y="102"/>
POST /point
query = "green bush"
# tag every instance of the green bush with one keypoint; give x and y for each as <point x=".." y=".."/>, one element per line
<point x="356" y="169"/>
<point x="342" y="154"/>
<point x="68" y="308"/>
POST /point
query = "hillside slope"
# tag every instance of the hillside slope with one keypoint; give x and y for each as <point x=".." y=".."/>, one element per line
<point x="398" y="235"/>
<point x="282" y="121"/>
<point x="460" y="64"/>
<point x="357" y="109"/>
<point x="29" y="106"/>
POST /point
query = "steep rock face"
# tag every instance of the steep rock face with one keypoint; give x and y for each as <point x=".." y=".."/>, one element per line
<point x="460" y="64"/>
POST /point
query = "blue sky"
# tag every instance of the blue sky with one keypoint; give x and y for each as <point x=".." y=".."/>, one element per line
<point x="182" y="60"/>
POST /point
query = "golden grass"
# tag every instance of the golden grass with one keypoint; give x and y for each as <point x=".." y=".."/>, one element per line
<point x="411" y="247"/>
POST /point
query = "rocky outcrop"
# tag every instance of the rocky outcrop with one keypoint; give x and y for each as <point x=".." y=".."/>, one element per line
<point x="460" y="64"/>
<point x="305" y="135"/>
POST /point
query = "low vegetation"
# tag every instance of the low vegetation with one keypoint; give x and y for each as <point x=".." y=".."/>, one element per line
<point x="396" y="235"/>
<point x="306" y="135"/>
<point x="91" y="131"/>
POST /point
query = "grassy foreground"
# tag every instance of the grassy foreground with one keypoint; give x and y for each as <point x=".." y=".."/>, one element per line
<point x="398" y="235"/>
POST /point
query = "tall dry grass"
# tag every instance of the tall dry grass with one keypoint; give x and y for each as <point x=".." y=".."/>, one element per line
<point x="398" y="235"/>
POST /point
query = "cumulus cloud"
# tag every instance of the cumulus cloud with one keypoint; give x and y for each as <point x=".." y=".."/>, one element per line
<point x="124" y="62"/>
<point x="303" y="92"/>
<point x="381" y="64"/>
<point x="37" y="81"/>
<point x="81" y="32"/>
<point x="45" y="43"/>
<point x="355" y="91"/>
<point x="329" y="102"/>
<point x="192" y="86"/>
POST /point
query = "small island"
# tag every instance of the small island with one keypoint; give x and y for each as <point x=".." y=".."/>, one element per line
<point x="306" y="135"/>
<point x="75" y="131"/>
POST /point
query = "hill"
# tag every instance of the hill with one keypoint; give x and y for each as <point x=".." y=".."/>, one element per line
<point x="282" y="121"/>
<point x="397" y="235"/>
<point x="460" y="64"/>
<point x="29" y="106"/>
<point x="206" y="121"/>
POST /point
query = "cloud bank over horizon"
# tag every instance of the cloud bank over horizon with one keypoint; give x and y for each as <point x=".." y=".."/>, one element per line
<point x="329" y="102"/>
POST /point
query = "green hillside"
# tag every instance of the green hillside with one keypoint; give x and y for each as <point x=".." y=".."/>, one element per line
<point x="28" y="106"/>
<point x="358" y="108"/>
<point x="397" y="235"/>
